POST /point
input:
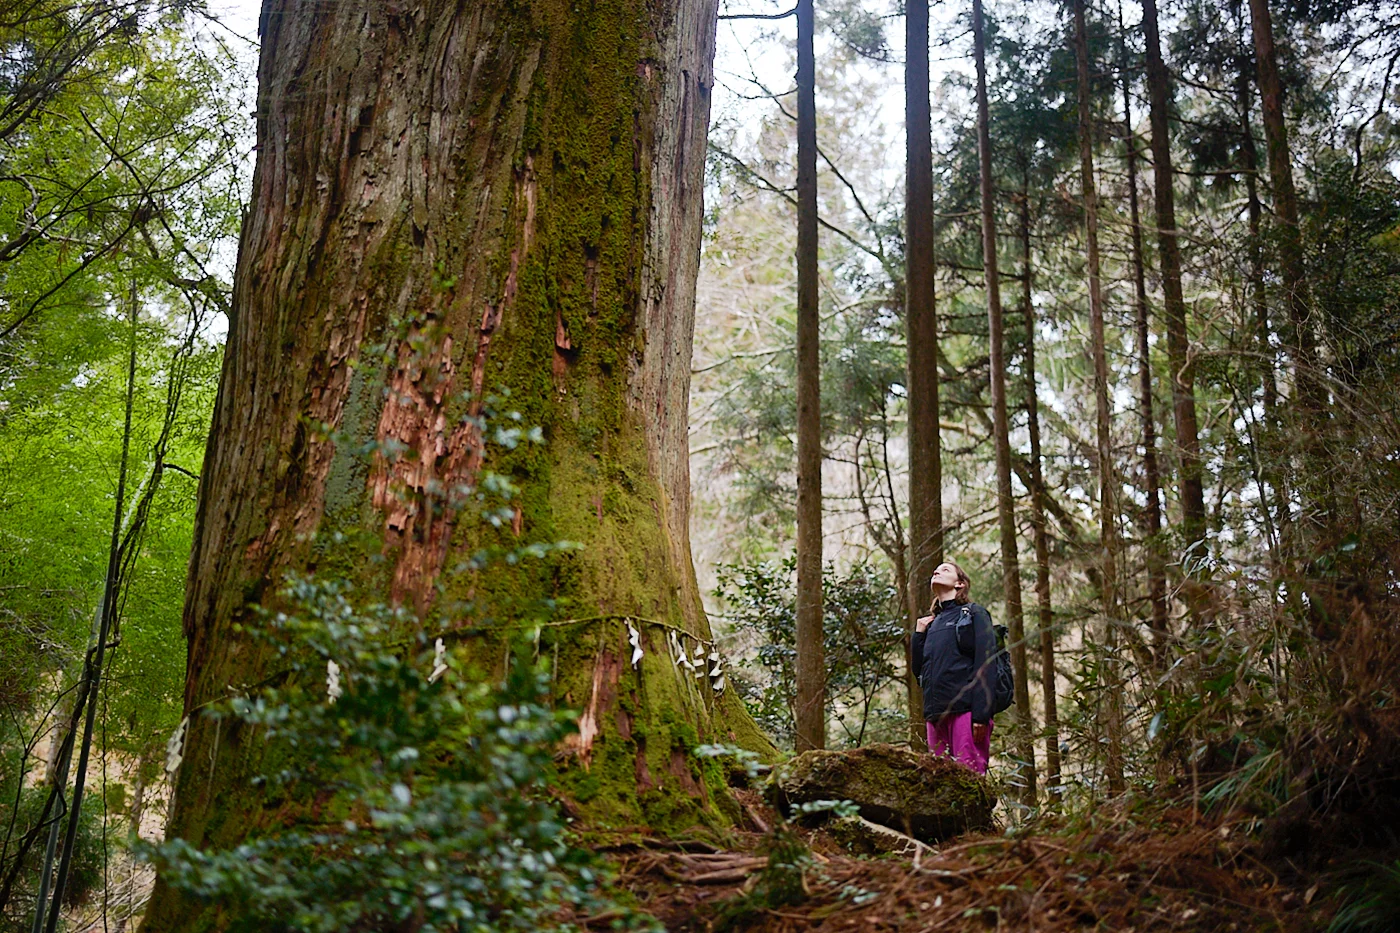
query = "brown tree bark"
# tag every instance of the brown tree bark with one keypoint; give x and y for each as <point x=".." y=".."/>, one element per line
<point x="921" y="328"/>
<point x="1108" y="495"/>
<point x="1189" y="471"/>
<point x="811" y="660"/>
<point x="449" y="199"/>
<point x="1040" y="536"/>
<point x="1311" y="395"/>
<point x="1006" y="505"/>
<point x="1152" y="482"/>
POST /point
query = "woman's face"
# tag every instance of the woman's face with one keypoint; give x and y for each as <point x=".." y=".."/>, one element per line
<point x="945" y="575"/>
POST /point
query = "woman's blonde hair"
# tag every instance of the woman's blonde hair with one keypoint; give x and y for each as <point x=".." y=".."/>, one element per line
<point x="964" y="584"/>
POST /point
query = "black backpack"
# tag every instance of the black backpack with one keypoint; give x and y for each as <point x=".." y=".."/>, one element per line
<point x="1004" y="686"/>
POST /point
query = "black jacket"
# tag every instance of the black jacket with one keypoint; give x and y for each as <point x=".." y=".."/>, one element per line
<point x="946" y="672"/>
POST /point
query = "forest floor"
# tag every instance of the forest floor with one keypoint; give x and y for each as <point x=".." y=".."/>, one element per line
<point x="1129" y="871"/>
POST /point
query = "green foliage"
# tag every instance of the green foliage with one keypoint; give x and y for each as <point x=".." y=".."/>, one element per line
<point x="120" y="192"/>
<point x="91" y="852"/>
<point x="418" y="798"/>
<point x="863" y="628"/>
<point x="1370" y="902"/>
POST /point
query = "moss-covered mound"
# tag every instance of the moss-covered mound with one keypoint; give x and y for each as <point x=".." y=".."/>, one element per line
<point x="924" y="796"/>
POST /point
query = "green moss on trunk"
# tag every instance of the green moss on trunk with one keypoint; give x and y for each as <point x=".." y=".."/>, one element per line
<point x="450" y="200"/>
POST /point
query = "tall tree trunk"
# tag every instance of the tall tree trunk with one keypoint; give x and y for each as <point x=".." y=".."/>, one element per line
<point x="921" y="328"/>
<point x="1258" y="295"/>
<point x="1295" y="286"/>
<point x="1006" y="505"/>
<point x="1039" y="529"/>
<point x="1152" y="480"/>
<point x="1279" y="517"/>
<point x="1192" y="490"/>
<point x="811" y="660"/>
<point x="449" y="198"/>
<point x="1108" y="497"/>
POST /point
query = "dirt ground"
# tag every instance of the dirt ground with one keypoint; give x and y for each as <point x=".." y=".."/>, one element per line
<point x="1129" y="871"/>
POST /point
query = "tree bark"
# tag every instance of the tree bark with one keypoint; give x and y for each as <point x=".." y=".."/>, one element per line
<point x="811" y="661"/>
<point x="1291" y="271"/>
<point x="1152" y="481"/>
<point x="1006" y="505"/>
<point x="449" y="199"/>
<point x="1189" y="471"/>
<point x="1040" y="536"/>
<point x="1108" y="497"/>
<point x="921" y="326"/>
<point x="1258" y="294"/>
<point x="1277" y="519"/>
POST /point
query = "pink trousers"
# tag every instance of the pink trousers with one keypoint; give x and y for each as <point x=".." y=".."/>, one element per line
<point x="951" y="736"/>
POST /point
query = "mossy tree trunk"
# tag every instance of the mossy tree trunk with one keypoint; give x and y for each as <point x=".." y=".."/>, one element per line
<point x="450" y="199"/>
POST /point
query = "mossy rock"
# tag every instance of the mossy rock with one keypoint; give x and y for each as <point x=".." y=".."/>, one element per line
<point x="927" y="797"/>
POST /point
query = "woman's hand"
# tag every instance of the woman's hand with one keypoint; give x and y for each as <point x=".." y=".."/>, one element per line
<point x="979" y="732"/>
<point x="922" y="624"/>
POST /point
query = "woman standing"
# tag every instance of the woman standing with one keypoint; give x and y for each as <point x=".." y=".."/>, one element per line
<point x="953" y="646"/>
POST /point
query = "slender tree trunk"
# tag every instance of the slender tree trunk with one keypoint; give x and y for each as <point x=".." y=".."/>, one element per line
<point x="1038" y="524"/>
<point x="1281" y="178"/>
<point x="1259" y="300"/>
<point x="1258" y="295"/>
<point x="1006" y="505"/>
<point x="1295" y="286"/>
<point x="811" y="660"/>
<point x="1152" y="481"/>
<point x="1189" y="472"/>
<point x="451" y="198"/>
<point x="921" y="324"/>
<point x="1108" y="497"/>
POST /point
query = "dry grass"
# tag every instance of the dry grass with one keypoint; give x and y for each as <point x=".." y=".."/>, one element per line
<point x="1127" y="874"/>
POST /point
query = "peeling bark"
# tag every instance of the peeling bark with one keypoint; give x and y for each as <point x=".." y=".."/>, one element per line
<point x="451" y="199"/>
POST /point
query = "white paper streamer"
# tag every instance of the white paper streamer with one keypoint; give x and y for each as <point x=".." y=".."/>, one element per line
<point x="333" y="689"/>
<point x="634" y="638"/>
<point x="439" y="661"/>
<point x="175" y="747"/>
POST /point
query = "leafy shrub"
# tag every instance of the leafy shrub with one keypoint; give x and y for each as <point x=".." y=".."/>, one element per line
<point x="863" y="630"/>
<point x="428" y="788"/>
<point x="90" y="852"/>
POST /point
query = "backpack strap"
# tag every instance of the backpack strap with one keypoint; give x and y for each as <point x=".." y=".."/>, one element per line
<point x="965" y="620"/>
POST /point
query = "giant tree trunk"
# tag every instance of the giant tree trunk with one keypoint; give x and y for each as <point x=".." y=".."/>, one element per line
<point x="921" y="329"/>
<point x="811" y="660"/>
<point x="1108" y="498"/>
<point x="1006" y="505"/>
<point x="451" y="198"/>
<point x="1193" y="504"/>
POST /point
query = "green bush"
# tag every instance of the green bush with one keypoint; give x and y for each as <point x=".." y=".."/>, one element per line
<point x="85" y="874"/>
<point x="863" y="631"/>
<point x="429" y="804"/>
